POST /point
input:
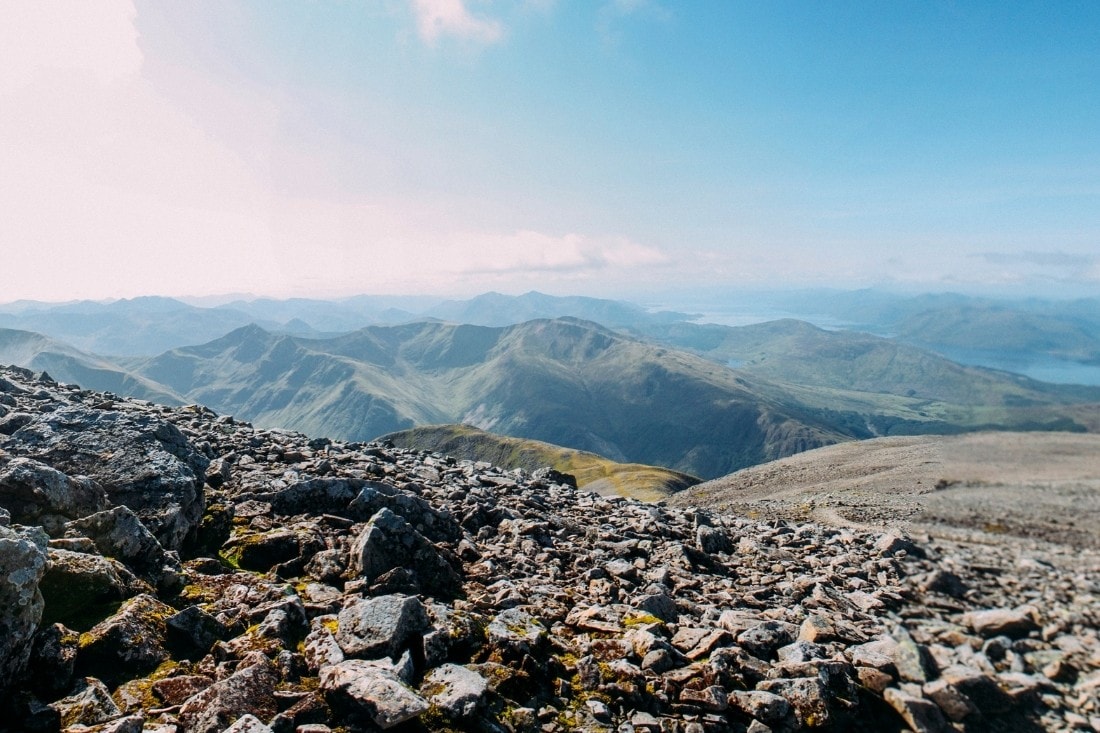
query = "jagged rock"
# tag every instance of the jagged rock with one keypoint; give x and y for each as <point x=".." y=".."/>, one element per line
<point x="919" y="714"/>
<point x="327" y="566"/>
<point x="131" y="642"/>
<point x="119" y="533"/>
<point x="457" y="691"/>
<point x="22" y="565"/>
<point x="192" y="632"/>
<point x="1012" y="622"/>
<point x="380" y="626"/>
<point x="262" y="551"/>
<point x="89" y="703"/>
<point x="764" y="638"/>
<point x="389" y="542"/>
<point x="141" y="462"/>
<point x="514" y="632"/>
<point x="178" y="690"/>
<point x="979" y="688"/>
<point x="807" y="696"/>
<point x="365" y="691"/>
<point x="248" y="723"/>
<point x="29" y="489"/>
<point x="248" y="691"/>
<point x="764" y="706"/>
<point x="52" y="660"/>
<point x="81" y="589"/>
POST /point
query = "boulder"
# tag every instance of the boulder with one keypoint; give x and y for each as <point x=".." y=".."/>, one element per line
<point x="22" y="564"/>
<point x="380" y="627"/>
<point x="89" y="703"/>
<point x="457" y="691"/>
<point x="248" y="691"/>
<point x="29" y="489"/>
<point x="371" y="693"/>
<point x="389" y="542"/>
<point x="119" y="533"/>
<point x="81" y="589"/>
<point x="128" y="644"/>
<point x="141" y="462"/>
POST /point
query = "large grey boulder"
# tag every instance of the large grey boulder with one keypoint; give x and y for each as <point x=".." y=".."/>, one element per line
<point x="366" y="691"/>
<point x="389" y="542"/>
<point x="141" y="462"/>
<point x="119" y="533"/>
<point x="380" y="627"/>
<point x="22" y="564"/>
<point x="30" y="489"/>
<point x="457" y="691"/>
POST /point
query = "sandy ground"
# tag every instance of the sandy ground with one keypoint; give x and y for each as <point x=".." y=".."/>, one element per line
<point x="981" y="487"/>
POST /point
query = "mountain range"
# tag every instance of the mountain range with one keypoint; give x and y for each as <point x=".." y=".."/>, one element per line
<point x="701" y="399"/>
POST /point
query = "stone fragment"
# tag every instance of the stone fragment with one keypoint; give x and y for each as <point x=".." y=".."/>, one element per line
<point x="978" y="687"/>
<point x="954" y="704"/>
<point x="52" y="660"/>
<point x="515" y="632"/>
<point x="807" y="696"/>
<point x="457" y="691"/>
<point x="128" y="644"/>
<point x="80" y="589"/>
<point x="363" y="690"/>
<point x="249" y="690"/>
<point x="817" y="629"/>
<point x="89" y="703"/>
<point x="389" y="542"/>
<point x="919" y="714"/>
<point x="1012" y="622"/>
<point x="191" y="632"/>
<point x="800" y="651"/>
<point x="762" y="639"/>
<point x="380" y="627"/>
<point x="763" y="706"/>
<point x="119" y="533"/>
<point x="248" y="723"/>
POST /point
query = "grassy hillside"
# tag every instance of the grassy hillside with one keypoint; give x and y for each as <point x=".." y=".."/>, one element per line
<point x="593" y="472"/>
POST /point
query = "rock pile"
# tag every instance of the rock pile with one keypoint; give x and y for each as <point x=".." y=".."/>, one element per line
<point x="169" y="569"/>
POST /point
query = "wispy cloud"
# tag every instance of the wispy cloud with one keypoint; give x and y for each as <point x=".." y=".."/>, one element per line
<point x="570" y="254"/>
<point x="438" y="18"/>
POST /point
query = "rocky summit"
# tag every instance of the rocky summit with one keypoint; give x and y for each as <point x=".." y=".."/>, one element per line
<point x="169" y="569"/>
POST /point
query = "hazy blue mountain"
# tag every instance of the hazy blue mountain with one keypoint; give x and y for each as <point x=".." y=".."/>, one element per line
<point x="140" y="326"/>
<point x="70" y="365"/>
<point x="495" y="309"/>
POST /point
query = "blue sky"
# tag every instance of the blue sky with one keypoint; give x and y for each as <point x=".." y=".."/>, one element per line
<point x="606" y="148"/>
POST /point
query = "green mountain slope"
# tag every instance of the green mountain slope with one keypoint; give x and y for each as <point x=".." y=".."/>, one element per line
<point x="593" y="472"/>
<point x="574" y="383"/>
<point x="564" y="381"/>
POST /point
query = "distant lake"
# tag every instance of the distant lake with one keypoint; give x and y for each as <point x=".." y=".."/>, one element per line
<point x="1043" y="368"/>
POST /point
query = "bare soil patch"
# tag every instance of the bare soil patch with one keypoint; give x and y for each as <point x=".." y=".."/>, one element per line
<point x="980" y="486"/>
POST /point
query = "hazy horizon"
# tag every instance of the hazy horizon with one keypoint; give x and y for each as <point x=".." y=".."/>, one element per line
<point x="623" y="149"/>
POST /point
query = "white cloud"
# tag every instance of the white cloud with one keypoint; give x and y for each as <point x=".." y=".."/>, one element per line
<point x="437" y="18"/>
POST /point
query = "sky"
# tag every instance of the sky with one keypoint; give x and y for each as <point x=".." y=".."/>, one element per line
<point x="600" y="147"/>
